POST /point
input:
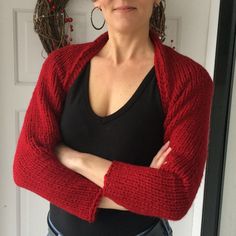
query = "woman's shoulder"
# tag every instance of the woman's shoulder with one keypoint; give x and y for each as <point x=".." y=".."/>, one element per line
<point x="184" y="68"/>
<point x="61" y="62"/>
<point x="66" y="55"/>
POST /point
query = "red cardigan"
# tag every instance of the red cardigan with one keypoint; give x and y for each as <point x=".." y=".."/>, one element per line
<point x="186" y="93"/>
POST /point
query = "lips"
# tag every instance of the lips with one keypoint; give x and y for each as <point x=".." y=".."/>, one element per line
<point x="125" y="8"/>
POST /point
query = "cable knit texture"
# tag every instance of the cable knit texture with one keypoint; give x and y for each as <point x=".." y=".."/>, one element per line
<point x="186" y="91"/>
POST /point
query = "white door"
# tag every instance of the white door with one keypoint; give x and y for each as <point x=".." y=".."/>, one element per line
<point x="23" y="213"/>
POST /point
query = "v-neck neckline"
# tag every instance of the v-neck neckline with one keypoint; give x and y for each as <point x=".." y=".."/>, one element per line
<point x="125" y="106"/>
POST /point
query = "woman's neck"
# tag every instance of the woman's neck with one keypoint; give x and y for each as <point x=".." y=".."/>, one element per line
<point x="123" y="47"/>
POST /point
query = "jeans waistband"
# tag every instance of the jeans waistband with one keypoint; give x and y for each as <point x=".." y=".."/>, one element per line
<point x="52" y="229"/>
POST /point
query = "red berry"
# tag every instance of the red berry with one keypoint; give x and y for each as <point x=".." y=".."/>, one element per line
<point x="53" y="7"/>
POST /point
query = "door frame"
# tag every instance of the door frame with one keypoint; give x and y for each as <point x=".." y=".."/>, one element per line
<point x="223" y="82"/>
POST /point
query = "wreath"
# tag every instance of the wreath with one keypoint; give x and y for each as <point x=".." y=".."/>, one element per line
<point x="50" y="20"/>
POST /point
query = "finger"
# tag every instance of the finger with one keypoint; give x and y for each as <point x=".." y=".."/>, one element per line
<point x="165" y="146"/>
<point x="164" y="155"/>
<point x="162" y="158"/>
<point x="163" y="149"/>
<point x="161" y="152"/>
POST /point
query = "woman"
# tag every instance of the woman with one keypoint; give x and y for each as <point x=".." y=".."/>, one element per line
<point x="116" y="132"/>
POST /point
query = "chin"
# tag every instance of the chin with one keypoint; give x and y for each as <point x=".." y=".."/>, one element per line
<point x="125" y="28"/>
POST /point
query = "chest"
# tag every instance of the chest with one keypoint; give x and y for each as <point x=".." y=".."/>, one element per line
<point x="109" y="88"/>
<point x="136" y="125"/>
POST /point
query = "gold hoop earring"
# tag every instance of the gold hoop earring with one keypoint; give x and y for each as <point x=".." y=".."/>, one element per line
<point x="91" y="19"/>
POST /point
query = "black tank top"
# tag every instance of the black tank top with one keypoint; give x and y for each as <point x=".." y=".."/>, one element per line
<point x="133" y="134"/>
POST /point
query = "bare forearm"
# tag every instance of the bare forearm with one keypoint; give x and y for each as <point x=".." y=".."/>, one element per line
<point x="92" y="167"/>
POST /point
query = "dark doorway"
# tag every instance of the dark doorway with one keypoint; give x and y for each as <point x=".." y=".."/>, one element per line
<point x="223" y="80"/>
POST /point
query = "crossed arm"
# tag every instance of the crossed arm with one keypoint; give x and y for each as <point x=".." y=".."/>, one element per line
<point x="94" y="167"/>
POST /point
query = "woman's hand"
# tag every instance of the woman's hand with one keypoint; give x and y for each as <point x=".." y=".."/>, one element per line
<point x="160" y="157"/>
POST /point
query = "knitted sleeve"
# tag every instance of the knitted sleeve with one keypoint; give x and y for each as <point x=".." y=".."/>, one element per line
<point x="168" y="192"/>
<point x="35" y="165"/>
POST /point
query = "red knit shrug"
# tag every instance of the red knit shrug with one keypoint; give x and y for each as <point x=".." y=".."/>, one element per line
<point x="186" y="91"/>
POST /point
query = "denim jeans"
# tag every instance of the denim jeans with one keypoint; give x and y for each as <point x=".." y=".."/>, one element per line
<point x="162" y="228"/>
